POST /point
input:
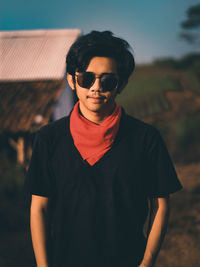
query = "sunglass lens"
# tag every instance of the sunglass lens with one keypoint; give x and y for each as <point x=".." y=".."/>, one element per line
<point x="109" y="82"/>
<point x="86" y="79"/>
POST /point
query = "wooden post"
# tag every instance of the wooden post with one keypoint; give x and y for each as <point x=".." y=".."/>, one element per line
<point x="29" y="151"/>
<point x="19" y="147"/>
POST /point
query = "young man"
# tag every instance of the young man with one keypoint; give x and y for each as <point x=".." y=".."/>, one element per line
<point x="93" y="172"/>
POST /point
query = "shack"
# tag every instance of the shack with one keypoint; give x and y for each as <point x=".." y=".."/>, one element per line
<point x="33" y="88"/>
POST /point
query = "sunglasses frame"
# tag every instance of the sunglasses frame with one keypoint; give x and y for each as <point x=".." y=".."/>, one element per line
<point x="99" y="77"/>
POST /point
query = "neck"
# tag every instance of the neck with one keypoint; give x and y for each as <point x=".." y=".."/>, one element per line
<point x="96" y="117"/>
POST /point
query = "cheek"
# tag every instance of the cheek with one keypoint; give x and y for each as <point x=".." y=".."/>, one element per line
<point x="112" y="94"/>
<point x="81" y="93"/>
<point x="110" y="97"/>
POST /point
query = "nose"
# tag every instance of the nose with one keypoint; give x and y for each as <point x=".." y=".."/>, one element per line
<point x="96" y="87"/>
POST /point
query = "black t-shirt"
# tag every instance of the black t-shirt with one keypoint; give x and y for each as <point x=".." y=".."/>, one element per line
<point x="98" y="212"/>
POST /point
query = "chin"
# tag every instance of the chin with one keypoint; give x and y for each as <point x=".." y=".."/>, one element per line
<point x="97" y="109"/>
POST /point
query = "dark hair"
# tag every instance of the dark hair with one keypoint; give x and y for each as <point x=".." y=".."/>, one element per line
<point x="102" y="44"/>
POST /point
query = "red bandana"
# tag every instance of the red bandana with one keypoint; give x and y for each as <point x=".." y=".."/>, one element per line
<point x="92" y="140"/>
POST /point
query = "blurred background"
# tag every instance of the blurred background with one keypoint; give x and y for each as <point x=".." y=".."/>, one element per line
<point x="164" y="91"/>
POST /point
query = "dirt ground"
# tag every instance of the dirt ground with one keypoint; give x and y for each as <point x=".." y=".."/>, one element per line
<point x="181" y="247"/>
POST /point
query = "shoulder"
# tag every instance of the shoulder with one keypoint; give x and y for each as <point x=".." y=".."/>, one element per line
<point x="54" y="130"/>
<point x="141" y="134"/>
<point x="139" y="127"/>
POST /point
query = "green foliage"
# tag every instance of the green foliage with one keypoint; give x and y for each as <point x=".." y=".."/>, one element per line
<point x="166" y="62"/>
<point x="186" y="62"/>
<point x="191" y="78"/>
<point x="193" y="18"/>
<point x="192" y="22"/>
<point x="145" y="92"/>
<point x="144" y="96"/>
<point x="187" y="131"/>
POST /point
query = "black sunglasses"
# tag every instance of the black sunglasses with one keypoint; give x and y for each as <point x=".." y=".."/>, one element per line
<point x="108" y="81"/>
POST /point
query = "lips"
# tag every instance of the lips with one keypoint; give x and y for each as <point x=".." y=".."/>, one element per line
<point x="96" y="97"/>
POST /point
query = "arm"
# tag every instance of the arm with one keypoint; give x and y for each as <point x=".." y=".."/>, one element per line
<point x="159" y="221"/>
<point x="38" y="223"/>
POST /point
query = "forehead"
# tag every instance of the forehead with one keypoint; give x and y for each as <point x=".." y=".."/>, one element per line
<point x="102" y="64"/>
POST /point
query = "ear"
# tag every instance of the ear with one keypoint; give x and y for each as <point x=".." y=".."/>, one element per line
<point x="70" y="81"/>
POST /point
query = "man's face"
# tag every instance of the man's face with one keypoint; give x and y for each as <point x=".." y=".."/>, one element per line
<point x="94" y="99"/>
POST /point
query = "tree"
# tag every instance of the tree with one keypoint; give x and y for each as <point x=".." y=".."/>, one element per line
<point x="191" y="25"/>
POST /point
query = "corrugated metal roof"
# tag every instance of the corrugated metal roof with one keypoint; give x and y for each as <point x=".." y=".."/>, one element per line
<point x="34" y="54"/>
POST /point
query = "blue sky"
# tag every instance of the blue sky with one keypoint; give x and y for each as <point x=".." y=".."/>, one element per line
<point x="150" y="26"/>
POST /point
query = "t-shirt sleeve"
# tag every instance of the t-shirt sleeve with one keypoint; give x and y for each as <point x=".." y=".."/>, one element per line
<point x="160" y="172"/>
<point x="39" y="179"/>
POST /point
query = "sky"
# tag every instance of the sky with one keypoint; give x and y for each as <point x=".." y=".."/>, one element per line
<point x="151" y="27"/>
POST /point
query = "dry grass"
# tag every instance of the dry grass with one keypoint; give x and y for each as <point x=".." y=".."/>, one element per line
<point x="181" y="247"/>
